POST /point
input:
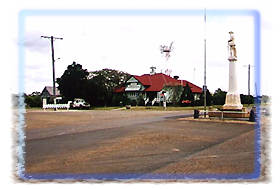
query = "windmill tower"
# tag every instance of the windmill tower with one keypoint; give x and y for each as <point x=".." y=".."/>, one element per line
<point x="166" y="50"/>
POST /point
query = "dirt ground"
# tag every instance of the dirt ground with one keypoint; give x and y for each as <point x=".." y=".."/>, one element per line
<point x="136" y="142"/>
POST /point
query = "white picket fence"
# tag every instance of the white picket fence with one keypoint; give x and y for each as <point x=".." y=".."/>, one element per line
<point x="153" y="102"/>
<point x="57" y="106"/>
<point x="146" y="101"/>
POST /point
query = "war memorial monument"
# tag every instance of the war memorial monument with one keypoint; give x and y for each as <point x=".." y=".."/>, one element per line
<point x="232" y="107"/>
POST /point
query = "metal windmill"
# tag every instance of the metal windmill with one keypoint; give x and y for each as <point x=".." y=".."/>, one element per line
<point x="166" y="50"/>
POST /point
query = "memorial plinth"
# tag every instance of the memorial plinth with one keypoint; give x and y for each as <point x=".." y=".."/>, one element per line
<point x="229" y="114"/>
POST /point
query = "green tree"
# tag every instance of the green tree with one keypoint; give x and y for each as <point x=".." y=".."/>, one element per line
<point x="33" y="100"/>
<point x="246" y="99"/>
<point x="265" y="99"/>
<point x="175" y="93"/>
<point x="102" y="84"/>
<point x="140" y="100"/>
<point x="208" y="99"/>
<point x="219" y="97"/>
<point x="187" y="94"/>
<point x="120" y="99"/>
<point x="73" y="82"/>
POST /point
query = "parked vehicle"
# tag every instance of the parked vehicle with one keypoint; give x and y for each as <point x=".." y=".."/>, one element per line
<point x="80" y="104"/>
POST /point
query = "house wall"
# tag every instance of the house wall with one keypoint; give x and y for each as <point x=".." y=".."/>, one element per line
<point x="134" y="89"/>
<point x="134" y="85"/>
<point x="45" y="94"/>
<point x="132" y="95"/>
<point x="196" y="96"/>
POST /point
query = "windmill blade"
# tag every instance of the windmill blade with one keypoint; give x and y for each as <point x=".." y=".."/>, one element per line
<point x="162" y="47"/>
<point x="170" y="45"/>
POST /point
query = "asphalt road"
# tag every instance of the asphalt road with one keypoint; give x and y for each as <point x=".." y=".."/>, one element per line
<point x="143" y="142"/>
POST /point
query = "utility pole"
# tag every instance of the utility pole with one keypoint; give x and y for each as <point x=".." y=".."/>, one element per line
<point x="53" y="68"/>
<point x="249" y="79"/>
<point x="194" y="74"/>
<point x="204" y="86"/>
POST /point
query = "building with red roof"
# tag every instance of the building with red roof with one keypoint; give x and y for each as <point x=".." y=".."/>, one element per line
<point x="153" y="86"/>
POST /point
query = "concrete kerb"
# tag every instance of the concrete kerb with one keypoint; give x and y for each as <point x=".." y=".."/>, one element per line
<point x="204" y="120"/>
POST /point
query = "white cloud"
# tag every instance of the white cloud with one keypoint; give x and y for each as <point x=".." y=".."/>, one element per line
<point x="132" y="44"/>
<point x="32" y="42"/>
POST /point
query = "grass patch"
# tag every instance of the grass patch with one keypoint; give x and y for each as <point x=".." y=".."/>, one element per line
<point x="33" y="108"/>
<point x="178" y="108"/>
<point x="168" y="108"/>
<point x="105" y="108"/>
<point x="153" y="108"/>
<point x="149" y="108"/>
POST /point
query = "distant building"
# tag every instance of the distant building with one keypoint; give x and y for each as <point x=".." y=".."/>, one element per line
<point x="151" y="87"/>
<point x="47" y="93"/>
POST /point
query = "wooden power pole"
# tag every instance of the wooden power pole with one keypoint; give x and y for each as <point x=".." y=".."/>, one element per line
<point x="53" y="68"/>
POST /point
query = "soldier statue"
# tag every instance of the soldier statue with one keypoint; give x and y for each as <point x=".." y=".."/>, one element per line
<point x="232" y="49"/>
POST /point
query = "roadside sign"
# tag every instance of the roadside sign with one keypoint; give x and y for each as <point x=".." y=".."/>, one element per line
<point x="204" y="88"/>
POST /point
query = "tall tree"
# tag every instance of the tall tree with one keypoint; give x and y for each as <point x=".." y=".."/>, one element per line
<point x="246" y="99"/>
<point x="33" y="100"/>
<point x="208" y="99"/>
<point x="219" y="97"/>
<point x="175" y="93"/>
<point x="73" y="82"/>
<point x="101" y="85"/>
<point x="187" y="94"/>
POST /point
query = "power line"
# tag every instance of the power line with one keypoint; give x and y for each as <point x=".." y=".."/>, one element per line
<point x="52" y="47"/>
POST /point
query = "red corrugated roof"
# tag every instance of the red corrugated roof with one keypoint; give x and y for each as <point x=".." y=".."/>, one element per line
<point x="194" y="88"/>
<point x="144" y="79"/>
<point x="157" y="81"/>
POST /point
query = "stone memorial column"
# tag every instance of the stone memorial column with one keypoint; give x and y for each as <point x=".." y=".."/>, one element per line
<point x="233" y="97"/>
